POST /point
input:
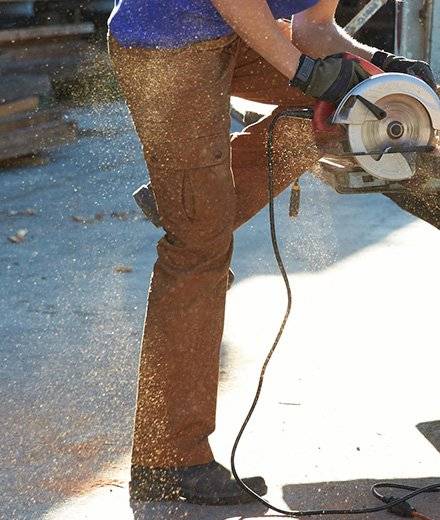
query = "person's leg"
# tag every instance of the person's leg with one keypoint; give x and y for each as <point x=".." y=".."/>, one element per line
<point x="294" y="145"/>
<point x="179" y="101"/>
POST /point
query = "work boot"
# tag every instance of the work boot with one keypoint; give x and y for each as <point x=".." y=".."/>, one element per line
<point x="207" y="484"/>
<point x="144" y="198"/>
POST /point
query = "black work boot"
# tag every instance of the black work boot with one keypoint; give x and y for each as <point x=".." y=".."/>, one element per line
<point x="207" y="484"/>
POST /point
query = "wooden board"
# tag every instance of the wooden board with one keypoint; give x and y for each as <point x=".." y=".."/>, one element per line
<point x="43" y="49"/>
<point x="26" y="119"/>
<point x="34" y="140"/>
<point x="60" y="57"/>
<point x="20" y="105"/>
<point x="424" y="206"/>
<point x="39" y="32"/>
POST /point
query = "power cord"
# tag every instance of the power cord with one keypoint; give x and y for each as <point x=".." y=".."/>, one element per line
<point x="398" y="506"/>
<point x="403" y="509"/>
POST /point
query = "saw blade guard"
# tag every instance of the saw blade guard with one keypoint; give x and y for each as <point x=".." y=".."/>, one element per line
<point x="389" y="111"/>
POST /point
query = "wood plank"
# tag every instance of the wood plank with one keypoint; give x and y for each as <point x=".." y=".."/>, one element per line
<point x="57" y="68"/>
<point x="18" y="86"/>
<point x="425" y="206"/>
<point x="27" y="160"/>
<point x="35" y="118"/>
<point x="45" y="57"/>
<point x="41" y="50"/>
<point x="35" y="140"/>
<point x="38" y="32"/>
<point x="20" y="105"/>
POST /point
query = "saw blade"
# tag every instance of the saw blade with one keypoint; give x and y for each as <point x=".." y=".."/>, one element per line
<point x="406" y="124"/>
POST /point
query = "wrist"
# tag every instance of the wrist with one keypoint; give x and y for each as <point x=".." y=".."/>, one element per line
<point x="304" y="73"/>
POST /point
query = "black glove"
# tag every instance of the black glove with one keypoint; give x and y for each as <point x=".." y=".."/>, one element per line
<point x="328" y="79"/>
<point x="390" y="63"/>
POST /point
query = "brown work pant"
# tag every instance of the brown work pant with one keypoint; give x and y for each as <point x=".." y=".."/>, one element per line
<point x="206" y="186"/>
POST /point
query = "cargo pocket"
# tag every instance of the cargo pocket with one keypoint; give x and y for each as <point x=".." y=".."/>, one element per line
<point x="184" y="154"/>
<point x="191" y="179"/>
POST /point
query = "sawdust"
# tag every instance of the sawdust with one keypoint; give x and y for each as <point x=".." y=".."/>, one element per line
<point x="72" y="464"/>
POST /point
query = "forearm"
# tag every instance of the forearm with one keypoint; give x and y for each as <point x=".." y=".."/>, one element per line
<point x="323" y="39"/>
<point x="253" y="21"/>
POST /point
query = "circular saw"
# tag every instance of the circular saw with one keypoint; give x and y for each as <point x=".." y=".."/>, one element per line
<point x="389" y="119"/>
<point x="382" y="137"/>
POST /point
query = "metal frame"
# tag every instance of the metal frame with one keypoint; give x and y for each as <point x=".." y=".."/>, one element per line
<point x="434" y="36"/>
<point x="418" y="30"/>
<point x="367" y="12"/>
<point x="412" y="28"/>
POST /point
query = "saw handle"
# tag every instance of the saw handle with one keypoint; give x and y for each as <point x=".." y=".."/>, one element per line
<point x="369" y="67"/>
<point x="324" y="109"/>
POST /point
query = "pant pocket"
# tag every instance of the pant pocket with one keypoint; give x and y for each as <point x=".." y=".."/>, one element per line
<point x="209" y="197"/>
<point x="185" y="154"/>
<point x="173" y="199"/>
<point x="192" y="182"/>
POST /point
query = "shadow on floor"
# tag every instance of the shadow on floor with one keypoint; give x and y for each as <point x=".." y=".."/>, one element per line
<point x="431" y="430"/>
<point x="357" y="494"/>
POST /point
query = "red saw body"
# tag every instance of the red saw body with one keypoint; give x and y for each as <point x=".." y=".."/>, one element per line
<point x="324" y="110"/>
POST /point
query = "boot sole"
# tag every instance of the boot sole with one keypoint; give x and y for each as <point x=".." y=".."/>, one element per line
<point x="178" y="495"/>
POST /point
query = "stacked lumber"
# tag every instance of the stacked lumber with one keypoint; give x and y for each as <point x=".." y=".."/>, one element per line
<point x="26" y="130"/>
<point x="31" y="59"/>
<point x="56" y="50"/>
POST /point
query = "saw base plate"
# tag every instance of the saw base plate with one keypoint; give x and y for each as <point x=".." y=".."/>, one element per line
<point x="345" y="176"/>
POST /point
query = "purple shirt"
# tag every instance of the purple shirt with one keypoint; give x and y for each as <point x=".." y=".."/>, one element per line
<point x="177" y="23"/>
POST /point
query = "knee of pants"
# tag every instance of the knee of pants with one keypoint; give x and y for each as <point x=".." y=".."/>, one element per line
<point x="197" y="208"/>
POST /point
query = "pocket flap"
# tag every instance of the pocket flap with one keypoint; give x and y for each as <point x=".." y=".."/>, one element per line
<point x="198" y="152"/>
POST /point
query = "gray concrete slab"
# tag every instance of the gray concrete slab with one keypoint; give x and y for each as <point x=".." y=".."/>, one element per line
<point x="351" y="395"/>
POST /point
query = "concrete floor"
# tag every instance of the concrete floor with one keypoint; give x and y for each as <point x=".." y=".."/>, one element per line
<point x="351" y="395"/>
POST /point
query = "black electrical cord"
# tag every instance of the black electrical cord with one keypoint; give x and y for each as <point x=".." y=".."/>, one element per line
<point x="295" y="113"/>
<point x="391" y="485"/>
<point x="403" y="509"/>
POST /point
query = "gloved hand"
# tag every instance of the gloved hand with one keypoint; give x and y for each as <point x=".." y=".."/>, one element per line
<point x="391" y="63"/>
<point x="328" y="79"/>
